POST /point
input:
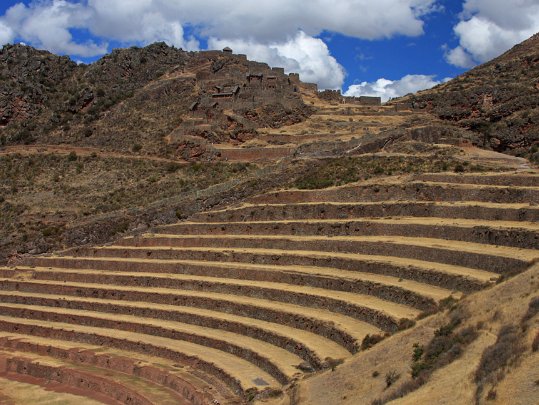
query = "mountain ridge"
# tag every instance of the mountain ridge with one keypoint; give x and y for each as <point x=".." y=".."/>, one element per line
<point x="498" y="100"/>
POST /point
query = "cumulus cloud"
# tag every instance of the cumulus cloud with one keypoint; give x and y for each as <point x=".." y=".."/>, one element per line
<point x="6" y="34"/>
<point x="47" y="25"/>
<point x="275" y="20"/>
<point x="141" y="21"/>
<point x="387" y="89"/>
<point x="301" y="53"/>
<point x="280" y="32"/>
<point x="459" y="57"/>
<point x="490" y="27"/>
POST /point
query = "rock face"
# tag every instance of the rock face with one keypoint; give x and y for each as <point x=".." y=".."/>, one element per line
<point x="152" y="96"/>
<point x="499" y="100"/>
<point x="28" y="78"/>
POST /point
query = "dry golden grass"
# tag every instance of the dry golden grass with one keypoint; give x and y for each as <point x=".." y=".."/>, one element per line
<point x="353" y="382"/>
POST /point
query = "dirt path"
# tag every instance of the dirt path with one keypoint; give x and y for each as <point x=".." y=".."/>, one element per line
<point x="27" y="150"/>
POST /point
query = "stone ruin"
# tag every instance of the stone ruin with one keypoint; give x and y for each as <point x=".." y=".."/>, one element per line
<point x="337" y="97"/>
<point x="232" y="85"/>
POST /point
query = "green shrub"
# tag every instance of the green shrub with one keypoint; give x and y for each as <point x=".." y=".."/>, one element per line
<point x="418" y="352"/>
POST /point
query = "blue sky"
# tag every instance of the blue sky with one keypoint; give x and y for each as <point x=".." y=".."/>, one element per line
<point x="383" y="47"/>
<point x="368" y="60"/>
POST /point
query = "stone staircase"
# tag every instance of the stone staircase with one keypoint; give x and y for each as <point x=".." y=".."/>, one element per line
<point x="249" y="299"/>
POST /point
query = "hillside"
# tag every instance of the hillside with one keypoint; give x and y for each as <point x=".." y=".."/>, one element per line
<point x="156" y="100"/>
<point x="498" y="100"/>
<point x="198" y="228"/>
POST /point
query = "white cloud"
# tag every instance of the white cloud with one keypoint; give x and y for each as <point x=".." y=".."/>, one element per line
<point x="46" y="25"/>
<point x="490" y="27"/>
<point x="275" y="20"/>
<point x="6" y="34"/>
<point x="393" y="88"/>
<point x="459" y="57"/>
<point x="301" y="53"/>
<point x="141" y="21"/>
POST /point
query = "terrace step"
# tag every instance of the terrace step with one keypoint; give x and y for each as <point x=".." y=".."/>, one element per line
<point x="172" y="260"/>
<point x="416" y="294"/>
<point x="15" y="392"/>
<point x="310" y="346"/>
<point x="239" y="374"/>
<point x="503" y="233"/>
<point x="167" y="379"/>
<point x="107" y="385"/>
<point x="345" y="331"/>
<point x="473" y="210"/>
<point x="279" y="363"/>
<point x="406" y="190"/>
<point x="526" y="179"/>
<point x="381" y="313"/>
<point x="474" y="255"/>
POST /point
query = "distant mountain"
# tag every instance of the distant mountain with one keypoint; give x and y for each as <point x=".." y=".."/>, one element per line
<point x="499" y="99"/>
<point x="155" y="100"/>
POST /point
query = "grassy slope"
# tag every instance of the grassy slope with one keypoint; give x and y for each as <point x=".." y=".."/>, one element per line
<point x="42" y="194"/>
<point x="361" y="380"/>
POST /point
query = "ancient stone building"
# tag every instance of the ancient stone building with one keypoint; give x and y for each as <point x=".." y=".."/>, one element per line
<point x="229" y="85"/>
<point x="337" y="97"/>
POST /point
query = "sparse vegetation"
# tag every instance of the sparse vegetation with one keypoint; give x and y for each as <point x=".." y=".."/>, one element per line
<point x="92" y="186"/>
<point x="370" y="340"/>
<point x="507" y="350"/>
<point x="337" y="172"/>
<point x="391" y="378"/>
<point x="234" y="258"/>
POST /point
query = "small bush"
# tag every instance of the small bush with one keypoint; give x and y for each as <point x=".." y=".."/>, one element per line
<point x="535" y="343"/>
<point x="136" y="148"/>
<point x="72" y="156"/>
<point x="533" y="309"/>
<point x="370" y="340"/>
<point x="172" y="167"/>
<point x="391" y="378"/>
<point x="333" y="363"/>
<point x="459" y="168"/>
<point x="447" y="303"/>
<point x="50" y="231"/>
<point x="406" y="323"/>
<point x="491" y="396"/>
<point x="418" y="352"/>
